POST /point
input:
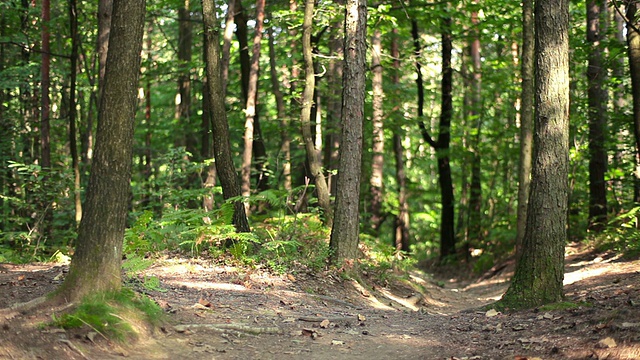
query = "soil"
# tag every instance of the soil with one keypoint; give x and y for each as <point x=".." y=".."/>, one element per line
<point x="217" y="311"/>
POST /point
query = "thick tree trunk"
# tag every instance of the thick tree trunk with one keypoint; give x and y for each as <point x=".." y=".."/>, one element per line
<point x="305" y="117"/>
<point x="220" y="127"/>
<point x="539" y="272"/>
<point x="633" y="42"/>
<point x="96" y="264"/>
<point x="188" y="135"/>
<point x="377" y="163"/>
<point x="526" y="120"/>
<point x="596" y="73"/>
<point x="346" y="229"/>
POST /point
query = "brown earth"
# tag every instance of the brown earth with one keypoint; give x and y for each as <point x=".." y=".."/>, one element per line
<point x="224" y="312"/>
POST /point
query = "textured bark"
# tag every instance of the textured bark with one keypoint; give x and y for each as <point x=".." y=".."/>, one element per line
<point x="105" y="7"/>
<point x="220" y="126"/>
<point x="45" y="104"/>
<point x="526" y="119"/>
<point x="96" y="264"/>
<point x="633" y="43"/>
<point x="73" y="145"/>
<point x="305" y="117"/>
<point x="332" y="130"/>
<point x="377" y="163"/>
<point x="539" y="273"/>
<point x="596" y="74"/>
<point x="345" y="231"/>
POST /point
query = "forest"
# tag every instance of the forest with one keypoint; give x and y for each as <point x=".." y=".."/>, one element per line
<point x="319" y="134"/>
<point x="331" y="178"/>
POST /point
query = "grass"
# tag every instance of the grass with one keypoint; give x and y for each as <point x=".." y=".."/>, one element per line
<point x="116" y="316"/>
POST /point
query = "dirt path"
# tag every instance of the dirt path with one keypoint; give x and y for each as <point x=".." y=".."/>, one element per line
<point x="222" y="312"/>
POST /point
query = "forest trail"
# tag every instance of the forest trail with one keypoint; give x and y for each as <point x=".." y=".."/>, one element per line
<point x="226" y="312"/>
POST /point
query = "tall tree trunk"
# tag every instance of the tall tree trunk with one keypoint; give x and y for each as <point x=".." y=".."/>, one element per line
<point x="96" y="264"/>
<point x="596" y="73"/>
<point x="401" y="234"/>
<point x="220" y="126"/>
<point x="183" y="103"/>
<point x="305" y="116"/>
<point x="377" y="163"/>
<point x="73" y="146"/>
<point x="540" y="271"/>
<point x="226" y="42"/>
<point x="447" y="234"/>
<point x="45" y="104"/>
<point x="346" y="229"/>
<point x="633" y="43"/>
<point x="285" y="147"/>
<point x="105" y="8"/>
<point x="475" y="188"/>
<point x="526" y="120"/>
<point x="332" y="129"/>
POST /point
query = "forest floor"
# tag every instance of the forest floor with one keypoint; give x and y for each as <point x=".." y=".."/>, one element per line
<point x="223" y="312"/>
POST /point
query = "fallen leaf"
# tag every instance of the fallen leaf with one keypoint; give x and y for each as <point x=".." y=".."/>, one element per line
<point x="627" y="325"/>
<point x="291" y="278"/>
<point x="325" y="323"/>
<point x="491" y="313"/>
<point x="337" y="342"/>
<point x="607" y="343"/>
<point x="361" y="317"/>
<point x="205" y="303"/>
<point x="91" y="335"/>
<point x="21" y="277"/>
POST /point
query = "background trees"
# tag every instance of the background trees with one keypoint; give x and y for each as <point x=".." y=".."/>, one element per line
<point x="430" y="184"/>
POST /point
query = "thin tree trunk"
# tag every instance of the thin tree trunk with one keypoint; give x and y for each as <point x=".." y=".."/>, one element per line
<point x="401" y="234"/>
<point x="73" y="147"/>
<point x="305" y="116"/>
<point x="285" y="147"/>
<point x="183" y="108"/>
<point x="377" y="163"/>
<point x="226" y="43"/>
<point x="526" y="120"/>
<point x="45" y="104"/>
<point x="220" y="126"/>
<point x="250" y="109"/>
<point x="96" y="264"/>
<point x="345" y="232"/>
<point x="447" y="234"/>
<point x="596" y="73"/>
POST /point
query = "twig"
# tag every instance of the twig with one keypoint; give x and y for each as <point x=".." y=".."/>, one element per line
<point x="237" y="327"/>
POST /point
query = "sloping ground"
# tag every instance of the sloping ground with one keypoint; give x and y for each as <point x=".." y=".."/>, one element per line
<point x="222" y="312"/>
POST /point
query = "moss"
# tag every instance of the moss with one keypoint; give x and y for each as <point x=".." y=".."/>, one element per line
<point x="564" y="305"/>
<point x="118" y="316"/>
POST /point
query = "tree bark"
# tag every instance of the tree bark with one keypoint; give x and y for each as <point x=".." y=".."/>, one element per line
<point x="539" y="273"/>
<point x="377" y="163"/>
<point x="633" y="46"/>
<point x="305" y="117"/>
<point x="526" y="120"/>
<point x="220" y="126"/>
<point x="345" y="232"/>
<point x="596" y="73"/>
<point x="96" y="264"/>
<point x="188" y="136"/>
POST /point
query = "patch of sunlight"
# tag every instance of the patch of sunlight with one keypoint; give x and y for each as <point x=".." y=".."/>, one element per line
<point x="372" y="300"/>
<point x="209" y="285"/>
<point x="406" y="302"/>
<point x="598" y="260"/>
<point x="582" y="274"/>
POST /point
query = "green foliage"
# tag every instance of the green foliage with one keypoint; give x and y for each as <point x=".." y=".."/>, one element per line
<point x="113" y="315"/>
<point x="621" y="235"/>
